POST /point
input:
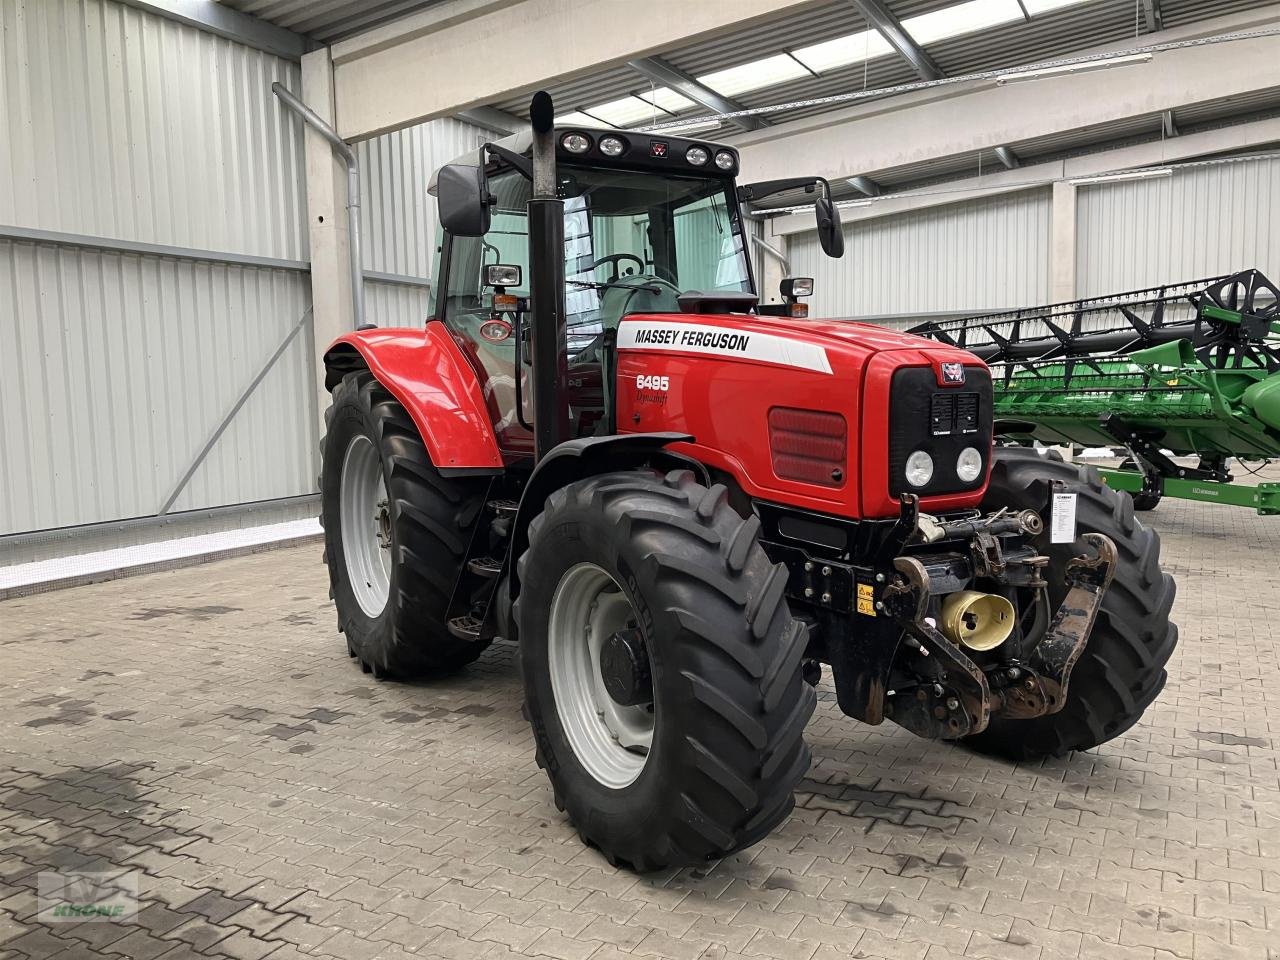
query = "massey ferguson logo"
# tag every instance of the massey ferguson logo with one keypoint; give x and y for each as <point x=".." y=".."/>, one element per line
<point x="953" y="373"/>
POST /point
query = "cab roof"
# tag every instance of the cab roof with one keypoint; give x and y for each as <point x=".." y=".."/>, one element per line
<point x="638" y="146"/>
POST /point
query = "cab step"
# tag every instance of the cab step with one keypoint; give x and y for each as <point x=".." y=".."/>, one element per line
<point x="466" y="628"/>
<point x="488" y="567"/>
<point x="504" y="508"/>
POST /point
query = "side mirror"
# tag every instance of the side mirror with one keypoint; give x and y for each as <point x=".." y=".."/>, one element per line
<point x="463" y="198"/>
<point x="830" y="234"/>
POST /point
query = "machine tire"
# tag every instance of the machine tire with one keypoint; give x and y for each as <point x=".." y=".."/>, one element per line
<point x="1142" y="502"/>
<point x="1122" y="669"/>
<point x="726" y="657"/>
<point x="431" y="522"/>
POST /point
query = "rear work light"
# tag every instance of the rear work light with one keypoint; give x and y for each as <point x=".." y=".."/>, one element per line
<point x="811" y="446"/>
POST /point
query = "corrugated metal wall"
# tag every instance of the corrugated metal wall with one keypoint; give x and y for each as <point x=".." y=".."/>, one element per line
<point x="121" y="125"/>
<point x="985" y="254"/>
<point x="399" y="235"/>
<point x="124" y="124"/>
<point x="1196" y="223"/>
<point x="117" y="367"/>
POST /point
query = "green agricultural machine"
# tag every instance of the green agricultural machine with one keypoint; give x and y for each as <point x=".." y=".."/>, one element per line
<point x="1188" y="369"/>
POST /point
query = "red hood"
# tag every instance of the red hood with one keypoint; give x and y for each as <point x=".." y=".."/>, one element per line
<point x="846" y="336"/>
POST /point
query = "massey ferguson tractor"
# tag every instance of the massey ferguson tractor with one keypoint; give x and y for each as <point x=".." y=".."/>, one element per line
<point x="681" y="502"/>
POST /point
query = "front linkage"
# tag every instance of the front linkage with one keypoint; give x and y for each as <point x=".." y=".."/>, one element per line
<point x="879" y="625"/>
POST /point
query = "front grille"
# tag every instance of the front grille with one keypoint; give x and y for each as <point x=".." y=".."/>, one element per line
<point x="810" y="446"/>
<point x="942" y="421"/>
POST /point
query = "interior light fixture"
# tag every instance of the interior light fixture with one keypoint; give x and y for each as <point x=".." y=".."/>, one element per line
<point x="1084" y="66"/>
<point x="1125" y="175"/>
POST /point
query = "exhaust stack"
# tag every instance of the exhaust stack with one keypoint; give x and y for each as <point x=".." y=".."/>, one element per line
<point x="546" y="286"/>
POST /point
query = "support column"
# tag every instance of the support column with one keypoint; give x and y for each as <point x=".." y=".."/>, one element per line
<point x="771" y="268"/>
<point x="327" y="220"/>
<point x="1062" y="245"/>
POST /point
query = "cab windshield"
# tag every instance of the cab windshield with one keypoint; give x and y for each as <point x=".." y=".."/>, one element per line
<point x="633" y="243"/>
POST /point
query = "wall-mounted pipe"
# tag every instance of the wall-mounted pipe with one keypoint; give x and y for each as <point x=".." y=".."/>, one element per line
<point x="343" y="149"/>
<point x="773" y="251"/>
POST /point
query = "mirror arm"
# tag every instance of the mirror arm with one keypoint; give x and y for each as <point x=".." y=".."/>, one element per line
<point x="523" y="165"/>
<point x="767" y="188"/>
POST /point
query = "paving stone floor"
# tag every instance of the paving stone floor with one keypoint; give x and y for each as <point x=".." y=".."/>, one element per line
<point x="205" y="728"/>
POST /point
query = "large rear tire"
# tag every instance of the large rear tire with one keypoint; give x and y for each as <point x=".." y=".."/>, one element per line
<point x="672" y="564"/>
<point x="396" y="535"/>
<point x="1122" y="669"/>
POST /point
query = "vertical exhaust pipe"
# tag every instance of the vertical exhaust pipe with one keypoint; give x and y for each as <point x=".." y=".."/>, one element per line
<point x="546" y="286"/>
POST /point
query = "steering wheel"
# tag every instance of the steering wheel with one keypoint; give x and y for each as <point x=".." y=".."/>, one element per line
<point x="613" y="260"/>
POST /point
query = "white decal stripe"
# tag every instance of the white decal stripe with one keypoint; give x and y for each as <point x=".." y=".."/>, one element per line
<point x="721" y="342"/>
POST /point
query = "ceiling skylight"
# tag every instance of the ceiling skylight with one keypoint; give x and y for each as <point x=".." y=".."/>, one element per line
<point x="962" y="18"/>
<point x="628" y="110"/>
<point x="842" y="51"/>
<point x="666" y="98"/>
<point x="577" y="119"/>
<point x="754" y="75"/>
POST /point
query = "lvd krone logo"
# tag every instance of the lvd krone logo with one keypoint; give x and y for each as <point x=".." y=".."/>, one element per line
<point x="88" y="896"/>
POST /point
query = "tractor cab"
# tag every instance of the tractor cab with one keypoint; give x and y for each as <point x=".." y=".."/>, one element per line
<point x="652" y="225"/>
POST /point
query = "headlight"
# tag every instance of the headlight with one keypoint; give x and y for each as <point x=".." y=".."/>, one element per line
<point x="611" y="146"/>
<point x="919" y="469"/>
<point x="725" y="160"/>
<point x="697" y="156"/>
<point x="575" y="143"/>
<point x="969" y="465"/>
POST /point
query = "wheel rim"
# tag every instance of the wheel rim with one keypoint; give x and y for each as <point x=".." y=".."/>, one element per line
<point x="610" y="740"/>
<point x="366" y="526"/>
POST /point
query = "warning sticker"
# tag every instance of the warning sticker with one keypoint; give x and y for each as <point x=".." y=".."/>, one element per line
<point x="1062" y="526"/>
<point x="867" y="599"/>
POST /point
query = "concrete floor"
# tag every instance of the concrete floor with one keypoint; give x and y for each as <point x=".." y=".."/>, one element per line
<point x="206" y="728"/>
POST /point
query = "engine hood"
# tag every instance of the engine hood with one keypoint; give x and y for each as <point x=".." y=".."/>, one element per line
<point x="819" y="345"/>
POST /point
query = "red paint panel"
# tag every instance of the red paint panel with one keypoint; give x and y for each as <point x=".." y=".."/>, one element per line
<point x="724" y="401"/>
<point x="428" y="374"/>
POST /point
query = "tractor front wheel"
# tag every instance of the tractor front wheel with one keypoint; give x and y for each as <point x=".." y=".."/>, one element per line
<point x="662" y="669"/>
<point x="1122" y="668"/>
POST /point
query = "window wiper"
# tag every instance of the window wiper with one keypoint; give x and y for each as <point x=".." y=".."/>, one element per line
<point x="602" y="285"/>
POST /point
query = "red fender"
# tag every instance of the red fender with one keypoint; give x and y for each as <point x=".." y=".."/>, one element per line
<point x="430" y="376"/>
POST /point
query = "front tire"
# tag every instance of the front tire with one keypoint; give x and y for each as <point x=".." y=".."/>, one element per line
<point x="396" y="535"/>
<point x="672" y="564"/>
<point x="1122" y="669"/>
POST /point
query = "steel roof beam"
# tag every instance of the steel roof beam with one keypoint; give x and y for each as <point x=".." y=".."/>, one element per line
<point x="222" y="21"/>
<point x="669" y="75"/>
<point x="1008" y="158"/>
<point x="887" y="25"/>
<point x="865" y="185"/>
<point x="492" y="119"/>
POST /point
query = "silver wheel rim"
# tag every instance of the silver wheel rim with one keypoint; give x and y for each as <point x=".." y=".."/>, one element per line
<point x="366" y="526"/>
<point x="610" y="740"/>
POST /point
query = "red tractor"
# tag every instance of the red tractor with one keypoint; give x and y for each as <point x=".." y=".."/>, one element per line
<point x="682" y="502"/>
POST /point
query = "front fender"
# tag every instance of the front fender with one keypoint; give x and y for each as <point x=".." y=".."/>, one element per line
<point x="430" y="376"/>
<point x="584" y="457"/>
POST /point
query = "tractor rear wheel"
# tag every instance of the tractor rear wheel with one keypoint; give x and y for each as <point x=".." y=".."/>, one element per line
<point x="1122" y="669"/>
<point x="396" y="534"/>
<point x="662" y="669"/>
